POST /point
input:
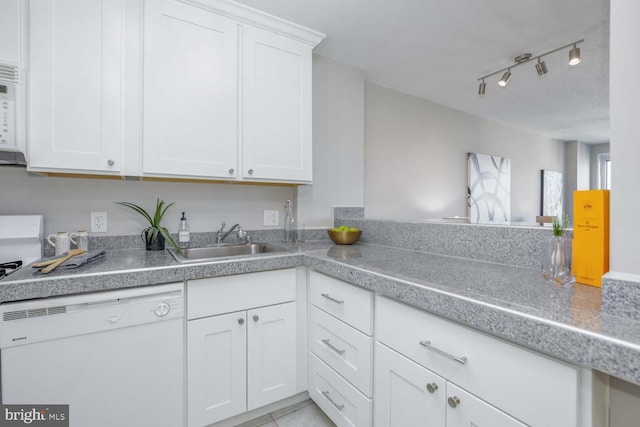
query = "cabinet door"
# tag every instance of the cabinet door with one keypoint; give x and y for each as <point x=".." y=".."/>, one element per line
<point x="271" y="367"/>
<point x="276" y="109"/>
<point x="464" y="410"/>
<point x="216" y="377"/>
<point x="11" y="31"/>
<point x="406" y="394"/>
<point x="190" y="91"/>
<point x="76" y="91"/>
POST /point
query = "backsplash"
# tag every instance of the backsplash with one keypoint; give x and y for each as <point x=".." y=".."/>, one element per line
<point x="112" y="243"/>
<point x="519" y="246"/>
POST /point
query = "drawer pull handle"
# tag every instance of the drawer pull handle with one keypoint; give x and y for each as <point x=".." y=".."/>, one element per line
<point x="453" y="401"/>
<point x="432" y="387"/>
<point x="460" y="359"/>
<point x="330" y="298"/>
<point x="332" y="347"/>
<point x="338" y="407"/>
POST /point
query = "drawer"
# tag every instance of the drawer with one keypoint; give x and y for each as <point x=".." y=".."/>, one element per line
<point x="342" y="403"/>
<point x="345" y="349"/>
<point x="218" y="295"/>
<point x="347" y="302"/>
<point x="467" y="410"/>
<point x="508" y="376"/>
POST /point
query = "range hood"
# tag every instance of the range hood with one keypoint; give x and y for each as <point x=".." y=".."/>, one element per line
<point x="12" y="158"/>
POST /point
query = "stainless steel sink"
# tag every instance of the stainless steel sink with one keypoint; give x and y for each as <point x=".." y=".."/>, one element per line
<point x="222" y="251"/>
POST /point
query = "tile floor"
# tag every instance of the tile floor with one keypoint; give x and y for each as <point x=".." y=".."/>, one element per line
<point x="303" y="414"/>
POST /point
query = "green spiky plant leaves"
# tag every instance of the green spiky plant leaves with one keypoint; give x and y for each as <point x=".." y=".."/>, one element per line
<point x="560" y="225"/>
<point x="151" y="233"/>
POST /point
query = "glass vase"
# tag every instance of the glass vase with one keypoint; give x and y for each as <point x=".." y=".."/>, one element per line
<point x="556" y="265"/>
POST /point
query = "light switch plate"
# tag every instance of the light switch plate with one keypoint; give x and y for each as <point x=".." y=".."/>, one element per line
<point x="271" y="217"/>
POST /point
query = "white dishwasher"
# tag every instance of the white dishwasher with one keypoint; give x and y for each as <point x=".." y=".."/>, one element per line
<point x="116" y="358"/>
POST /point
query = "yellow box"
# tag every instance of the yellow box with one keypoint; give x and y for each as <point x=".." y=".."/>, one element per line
<point x="590" y="259"/>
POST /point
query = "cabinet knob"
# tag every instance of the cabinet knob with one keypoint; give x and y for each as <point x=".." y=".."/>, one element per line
<point x="250" y="171"/>
<point x="231" y="171"/>
<point x="255" y="318"/>
<point x="453" y="401"/>
<point x="432" y="387"/>
<point x="241" y="320"/>
<point x="110" y="162"/>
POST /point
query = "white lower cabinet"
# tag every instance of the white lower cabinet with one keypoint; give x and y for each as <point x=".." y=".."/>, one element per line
<point x="489" y="382"/>
<point x="271" y="349"/>
<point x="341" y="401"/>
<point x="409" y="395"/>
<point x="340" y="350"/>
<point x="406" y="393"/>
<point x="217" y="374"/>
<point x="465" y="410"/>
<point x="240" y="360"/>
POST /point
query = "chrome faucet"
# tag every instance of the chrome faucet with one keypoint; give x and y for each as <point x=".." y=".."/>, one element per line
<point x="221" y="235"/>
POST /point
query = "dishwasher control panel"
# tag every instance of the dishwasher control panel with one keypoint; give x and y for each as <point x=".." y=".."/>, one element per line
<point x="53" y="318"/>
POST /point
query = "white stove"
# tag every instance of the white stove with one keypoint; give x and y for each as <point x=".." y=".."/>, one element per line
<point x="21" y="241"/>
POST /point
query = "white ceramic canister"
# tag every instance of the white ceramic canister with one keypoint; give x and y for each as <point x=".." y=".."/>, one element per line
<point x="82" y="239"/>
<point x="62" y="242"/>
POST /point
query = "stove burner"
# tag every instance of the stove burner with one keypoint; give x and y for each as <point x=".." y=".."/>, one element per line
<point x="7" y="268"/>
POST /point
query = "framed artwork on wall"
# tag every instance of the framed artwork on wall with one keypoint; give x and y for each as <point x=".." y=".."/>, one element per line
<point x="551" y="186"/>
<point x="488" y="189"/>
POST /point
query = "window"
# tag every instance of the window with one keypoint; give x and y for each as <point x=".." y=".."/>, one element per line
<point x="604" y="169"/>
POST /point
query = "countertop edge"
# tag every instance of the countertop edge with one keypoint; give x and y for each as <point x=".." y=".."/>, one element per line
<point x="565" y="342"/>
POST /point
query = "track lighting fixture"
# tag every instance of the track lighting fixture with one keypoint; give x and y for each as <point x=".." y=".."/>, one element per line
<point x="541" y="67"/>
<point x="574" y="55"/>
<point x="482" y="87"/>
<point x="505" y="78"/>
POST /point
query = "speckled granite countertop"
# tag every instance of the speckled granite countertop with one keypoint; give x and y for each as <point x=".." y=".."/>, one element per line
<point x="513" y="303"/>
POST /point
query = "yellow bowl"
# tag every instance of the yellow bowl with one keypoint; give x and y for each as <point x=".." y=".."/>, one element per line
<point x="344" y="237"/>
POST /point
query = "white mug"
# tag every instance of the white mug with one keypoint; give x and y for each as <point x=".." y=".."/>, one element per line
<point x="62" y="242"/>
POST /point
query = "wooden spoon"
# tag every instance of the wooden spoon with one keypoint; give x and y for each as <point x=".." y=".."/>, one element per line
<point x="56" y="263"/>
<point x="49" y="261"/>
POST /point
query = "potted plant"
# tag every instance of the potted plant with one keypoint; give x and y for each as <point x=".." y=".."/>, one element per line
<point x="155" y="235"/>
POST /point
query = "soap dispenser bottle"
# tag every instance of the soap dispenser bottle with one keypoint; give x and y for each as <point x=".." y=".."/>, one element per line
<point x="184" y="235"/>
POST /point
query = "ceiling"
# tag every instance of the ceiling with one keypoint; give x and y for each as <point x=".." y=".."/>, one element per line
<point x="437" y="49"/>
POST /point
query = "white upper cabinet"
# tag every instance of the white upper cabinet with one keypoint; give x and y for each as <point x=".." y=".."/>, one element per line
<point x="276" y="107"/>
<point x="197" y="89"/>
<point x="76" y="95"/>
<point x="11" y="32"/>
<point x="190" y="91"/>
<point x="227" y="93"/>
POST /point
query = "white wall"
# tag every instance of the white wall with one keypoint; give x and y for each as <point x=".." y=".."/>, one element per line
<point x="416" y="158"/>
<point x="595" y="171"/>
<point x="67" y="202"/>
<point x="625" y="131"/>
<point x="338" y="132"/>
<point x="577" y="172"/>
<point x="625" y="176"/>
<point x="338" y="142"/>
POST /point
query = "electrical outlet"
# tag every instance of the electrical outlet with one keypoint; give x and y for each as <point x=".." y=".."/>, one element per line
<point x="271" y="217"/>
<point x="98" y="222"/>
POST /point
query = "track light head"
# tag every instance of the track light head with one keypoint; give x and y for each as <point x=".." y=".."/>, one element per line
<point x="574" y="55"/>
<point x="541" y="68"/>
<point x="482" y="87"/>
<point x="505" y="78"/>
